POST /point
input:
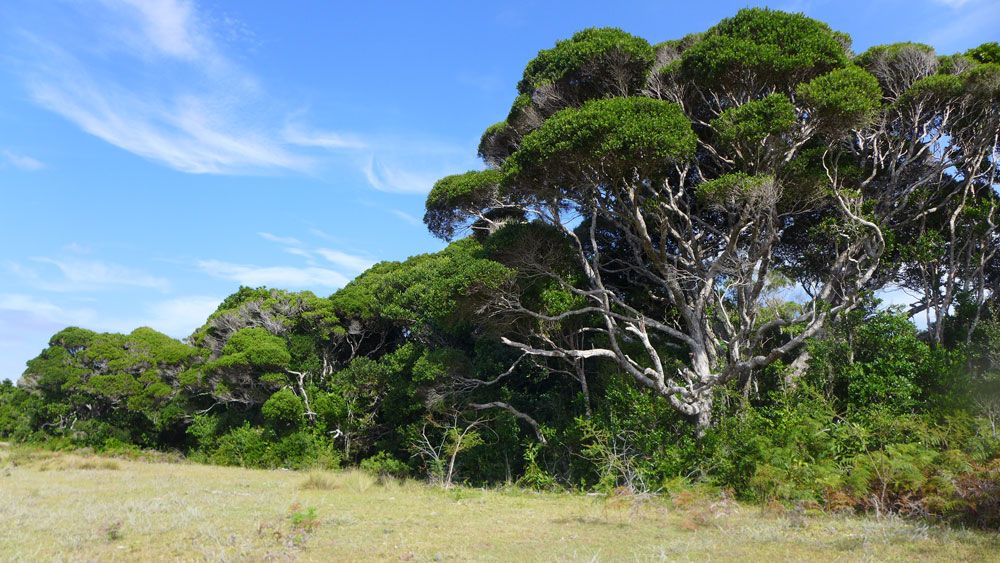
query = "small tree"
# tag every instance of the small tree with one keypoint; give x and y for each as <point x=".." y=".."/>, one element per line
<point x="440" y="452"/>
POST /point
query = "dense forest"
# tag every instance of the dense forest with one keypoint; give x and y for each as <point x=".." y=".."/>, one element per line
<point x="668" y="272"/>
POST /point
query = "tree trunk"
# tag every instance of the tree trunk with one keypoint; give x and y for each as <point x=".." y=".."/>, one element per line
<point x="581" y="376"/>
<point x="703" y="418"/>
<point x="797" y="369"/>
<point x="451" y="469"/>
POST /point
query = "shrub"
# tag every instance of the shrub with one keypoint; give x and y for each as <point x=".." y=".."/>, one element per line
<point x="302" y="450"/>
<point x="384" y="464"/>
<point x="244" y="446"/>
<point x="978" y="493"/>
<point x="534" y="477"/>
<point x="284" y="411"/>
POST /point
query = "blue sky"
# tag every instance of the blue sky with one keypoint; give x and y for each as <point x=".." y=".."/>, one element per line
<point x="156" y="154"/>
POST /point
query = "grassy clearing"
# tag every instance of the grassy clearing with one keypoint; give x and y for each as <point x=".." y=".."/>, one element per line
<point x="83" y="507"/>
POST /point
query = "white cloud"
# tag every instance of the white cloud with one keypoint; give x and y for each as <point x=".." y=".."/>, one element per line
<point x="397" y="180"/>
<point x="952" y="3"/>
<point x="280" y="276"/>
<point x="977" y="20"/>
<point x="322" y="234"/>
<point x="157" y="78"/>
<point x="158" y="87"/>
<point x="27" y="323"/>
<point x="21" y="161"/>
<point x="329" y="140"/>
<point x="345" y="260"/>
<point x="168" y="25"/>
<point x="86" y="275"/>
<point x="280" y="240"/>
<point x="177" y="317"/>
<point x="45" y="313"/>
<point x="94" y="273"/>
<point x="406" y="217"/>
<point x="190" y="133"/>
<point x="299" y="252"/>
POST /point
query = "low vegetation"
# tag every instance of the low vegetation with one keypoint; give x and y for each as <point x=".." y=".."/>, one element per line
<point x="155" y="509"/>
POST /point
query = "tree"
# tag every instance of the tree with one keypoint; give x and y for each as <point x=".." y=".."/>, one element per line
<point x="127" y="382"/>
<point x="261" y="339"/>
<point x="682" y="176"/>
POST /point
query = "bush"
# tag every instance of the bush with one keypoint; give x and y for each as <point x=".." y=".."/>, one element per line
<point x="244" y="446"/>
<point x="302" y="450"/>
<point x="384" y="464"/>
<point x="978" y="494"/>
<point x="284" y="411"/>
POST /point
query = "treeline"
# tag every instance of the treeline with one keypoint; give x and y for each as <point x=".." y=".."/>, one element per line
<point x="669" y="275"/>
<point x="387" y="373"/>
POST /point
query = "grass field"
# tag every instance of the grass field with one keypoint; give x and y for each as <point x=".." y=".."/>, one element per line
<point x="80" y="507"/>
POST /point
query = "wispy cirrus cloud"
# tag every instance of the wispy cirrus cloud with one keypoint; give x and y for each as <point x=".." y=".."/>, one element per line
<point x="172" y="27"/>
<point x="150" y="77"/>
<point x="280" y="276"/>
<point x="160" y="79"/>
<point x="278" y="239"/>
<point x="22" y="161"/>
<point x="349" y="262"/>
<point x="969" y="21"/>
<point x="330" y="140"/>
<point x="951" y="3"/>
<point x="395" y="179"/>
<point x="84" y="275"/>
<point x="407" y="218"/>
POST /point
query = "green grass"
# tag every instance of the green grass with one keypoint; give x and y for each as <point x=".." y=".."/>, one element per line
<point x="83" y="507"/>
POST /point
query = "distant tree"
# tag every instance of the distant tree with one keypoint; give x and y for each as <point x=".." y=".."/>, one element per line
<point x="680" y="176"/>
<point x="129" y="382"/>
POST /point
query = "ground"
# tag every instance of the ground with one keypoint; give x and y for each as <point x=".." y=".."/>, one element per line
<point x="83" y="507"/>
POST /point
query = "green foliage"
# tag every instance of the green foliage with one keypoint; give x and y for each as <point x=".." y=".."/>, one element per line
<point x="452" y="197"/>
<point x="938" y="87"/>
<point x="244" y="446"/>
<point x="621" y="133"/>
<point x="534" y="477"/>
<point x="427" y="288"/>
<point x="303" y="450"/>
<point x="284" y="411"/>
<point x="384" y="464"/>
<point x="983" y="81"/>
<point x="20" y="412"/>
<point x="843" y="99"/>
<point x="985" y="53"/>
<point x="890" y="52"/>
<point x="497" y="143"/>
<point x="584" y="61"/>
<point x="254" y="347"/>
<point x="764" y="47"/>
<point x="753" y="121"/>
<point x="735" y="189"/>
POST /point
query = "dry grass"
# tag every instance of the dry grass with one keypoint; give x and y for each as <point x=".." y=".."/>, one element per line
<point x="318" y="482"/>
<point x="66" y="506"/>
